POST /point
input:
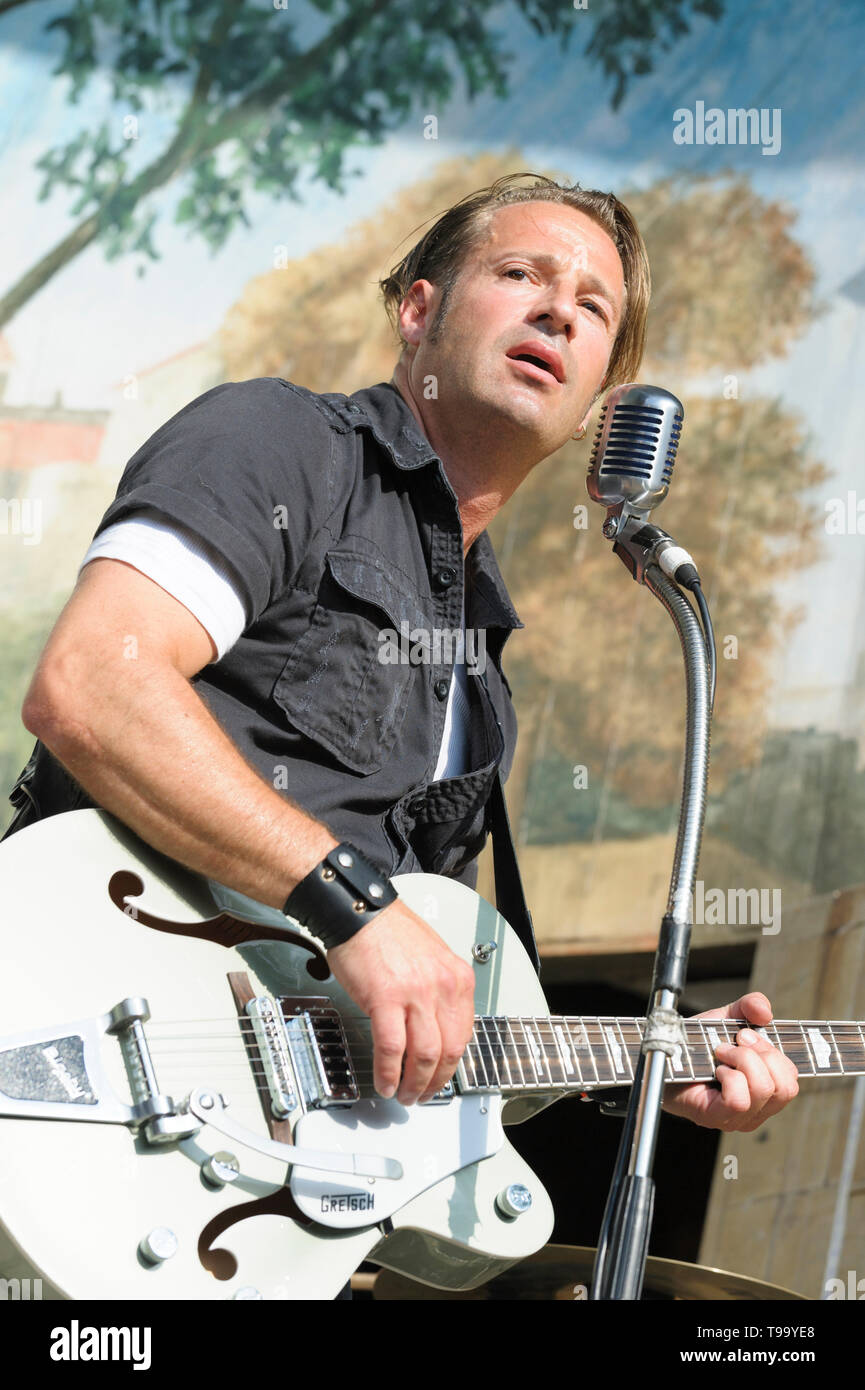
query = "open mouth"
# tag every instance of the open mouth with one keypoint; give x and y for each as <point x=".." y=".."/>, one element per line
<point x="536" y="363"/>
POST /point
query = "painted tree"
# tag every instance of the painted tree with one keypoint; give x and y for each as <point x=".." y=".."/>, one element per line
<point x="234" y="95"/>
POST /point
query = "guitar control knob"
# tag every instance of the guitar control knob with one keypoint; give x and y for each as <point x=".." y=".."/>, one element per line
<point x="220" y="1168"/>
<point x="158" y="1246"/>
<point x="513" y="1200"/>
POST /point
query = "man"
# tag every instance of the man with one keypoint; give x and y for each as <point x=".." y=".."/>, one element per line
<point x="194" y="712"/>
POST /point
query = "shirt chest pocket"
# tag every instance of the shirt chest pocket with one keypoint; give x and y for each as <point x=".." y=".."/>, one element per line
<point x="335" y="687"/>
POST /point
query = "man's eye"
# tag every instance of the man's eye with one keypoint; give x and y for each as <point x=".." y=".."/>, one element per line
<point x="596" y="308"/>
<point x="516" y="270"/>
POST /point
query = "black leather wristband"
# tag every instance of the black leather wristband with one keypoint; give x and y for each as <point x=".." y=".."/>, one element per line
<point x="339" y="896"/>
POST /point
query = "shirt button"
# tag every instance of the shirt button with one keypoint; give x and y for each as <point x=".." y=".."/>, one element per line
<point x="445" y="577"/>
<point x="442" y="689"/>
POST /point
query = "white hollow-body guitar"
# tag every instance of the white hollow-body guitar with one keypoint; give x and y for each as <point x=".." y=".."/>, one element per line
<point x="186" y="1099"/>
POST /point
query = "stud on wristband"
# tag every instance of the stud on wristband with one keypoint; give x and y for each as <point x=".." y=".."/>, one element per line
<point x="339" y="896"/>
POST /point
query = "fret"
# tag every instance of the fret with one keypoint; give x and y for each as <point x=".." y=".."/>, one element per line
<point x="570" y="1072"/>
<point x="609" y="1056"/>
<point x="628" y="1068"/>
<point x="481" y="1078"/>
<point x="847" y="1036"/>
<point x="836" y="1047"/>
<point x="688" y="1055"/>
<point x="564" y="1053"/>
<point x="552" y="1056"/>
<point x="614" y="1047"/>
<point x="675" y="1066"/>
<point x="809" y="1057"/>
<point x="469" y="1061"/>
<point x="517" y="1056"/>
<point x="531" y="1050"/>
<point x="861" y="1062"/>
<point x="838" y="1036"/>
<point x="503" y="1051"/>
<point x="833" y="1043"/>
<point x="490" y="1059"/>
<point x="632" y="1048"/>
<point x="821" y="1050"/>
<point x="714" y="1039"/>
<point x="570" y="1048"/>
<point x="778" y="1043"/>
<point x="711" y="1060"/>
<point x="589" y="1049"/>
<point x="640" y="1026"/>
<point x="561" y="1051"/>
<point x="542" y="1050"/>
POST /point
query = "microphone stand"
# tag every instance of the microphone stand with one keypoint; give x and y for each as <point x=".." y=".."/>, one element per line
<point x="623" y="1243"/>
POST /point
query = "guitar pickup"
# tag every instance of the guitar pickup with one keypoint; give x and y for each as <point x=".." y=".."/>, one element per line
<point x="319" y="1051"/>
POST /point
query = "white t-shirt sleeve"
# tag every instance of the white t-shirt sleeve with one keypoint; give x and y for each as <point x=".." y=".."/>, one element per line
<point x="188" y="568"/>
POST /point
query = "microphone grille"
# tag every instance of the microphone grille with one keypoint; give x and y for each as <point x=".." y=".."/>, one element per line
<point x="635" y="446"/>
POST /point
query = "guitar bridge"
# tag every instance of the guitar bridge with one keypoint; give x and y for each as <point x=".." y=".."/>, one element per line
<point x="319" y="1051"/>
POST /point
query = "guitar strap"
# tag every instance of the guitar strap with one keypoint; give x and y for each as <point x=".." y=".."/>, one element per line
<point x="510" y="898"/>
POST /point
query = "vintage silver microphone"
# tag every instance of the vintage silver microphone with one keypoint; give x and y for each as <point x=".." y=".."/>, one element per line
<point x="629" y="473"/>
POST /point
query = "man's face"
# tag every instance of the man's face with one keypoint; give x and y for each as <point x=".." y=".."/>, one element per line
<point x="545" y="282"/>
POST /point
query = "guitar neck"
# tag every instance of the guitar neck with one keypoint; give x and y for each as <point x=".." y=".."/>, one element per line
<point x="581" y="1054"/>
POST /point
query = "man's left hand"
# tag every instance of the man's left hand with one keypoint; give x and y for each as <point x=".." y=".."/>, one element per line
<point x="756" y="1079"/>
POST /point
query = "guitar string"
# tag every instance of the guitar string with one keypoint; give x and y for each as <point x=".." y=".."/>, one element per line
<point x="486" y="1066"/>
<point x="849" y="1046"/>
<point x="489" y="1056"/>
<point x="543" y="1033"/>
<point x="548" y="1021"/>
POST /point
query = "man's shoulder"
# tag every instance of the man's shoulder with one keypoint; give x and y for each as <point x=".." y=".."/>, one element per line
<point x="266" y="397"/>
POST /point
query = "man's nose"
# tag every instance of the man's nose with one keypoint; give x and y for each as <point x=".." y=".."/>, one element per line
<point x="557" y="307"/>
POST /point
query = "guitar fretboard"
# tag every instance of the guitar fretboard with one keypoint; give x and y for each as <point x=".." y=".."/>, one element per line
<point x="552" y="1053"/>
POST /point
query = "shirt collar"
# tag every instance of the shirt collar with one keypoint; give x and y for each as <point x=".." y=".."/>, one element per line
<point x="392" y="423"/>
<point x="391" y="420"/>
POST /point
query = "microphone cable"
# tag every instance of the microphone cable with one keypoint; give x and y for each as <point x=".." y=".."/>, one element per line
<point x="709" y="636"/>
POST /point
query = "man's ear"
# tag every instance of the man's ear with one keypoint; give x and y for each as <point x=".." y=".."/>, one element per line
<point x="414" y="312"/>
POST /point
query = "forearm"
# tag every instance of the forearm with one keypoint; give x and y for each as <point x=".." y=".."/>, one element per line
<point x="146" y="747"/>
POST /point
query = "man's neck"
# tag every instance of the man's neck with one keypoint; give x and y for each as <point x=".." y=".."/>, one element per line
<point x="482" y="483"/>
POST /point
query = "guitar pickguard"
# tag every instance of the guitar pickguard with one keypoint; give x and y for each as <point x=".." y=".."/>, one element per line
<point x="430" y="1141"/>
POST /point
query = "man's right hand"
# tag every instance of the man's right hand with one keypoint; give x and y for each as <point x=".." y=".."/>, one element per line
<point x="419" y="997"/>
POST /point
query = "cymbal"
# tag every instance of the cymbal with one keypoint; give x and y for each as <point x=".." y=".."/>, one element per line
<point x="564" y="1272"/>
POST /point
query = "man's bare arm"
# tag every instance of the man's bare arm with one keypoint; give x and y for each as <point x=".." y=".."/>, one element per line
<point x="111" y="699"/>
